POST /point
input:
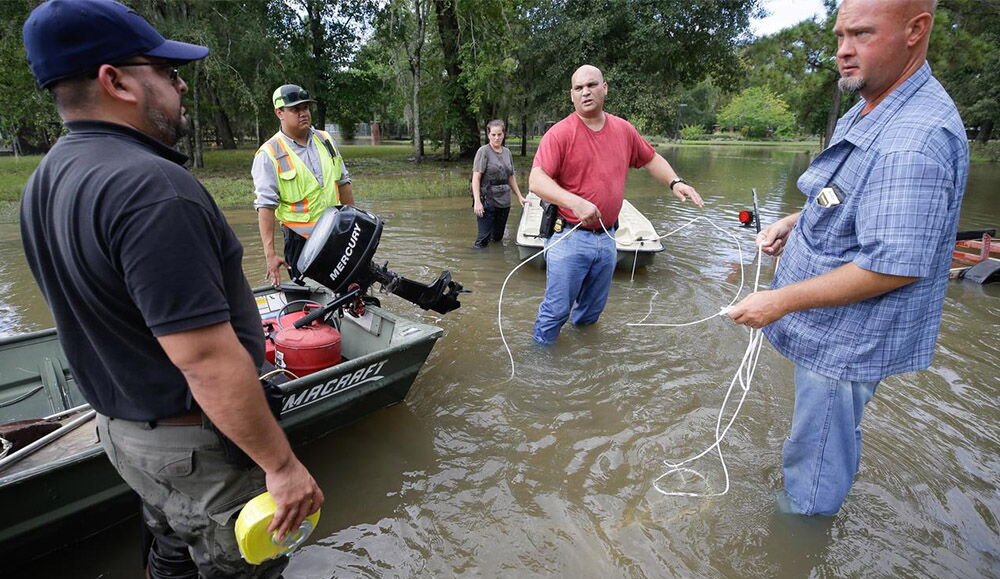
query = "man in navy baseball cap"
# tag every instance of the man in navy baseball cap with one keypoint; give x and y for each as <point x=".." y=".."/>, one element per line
<point x="145" y="280"/>
<point x="68" y="38"/>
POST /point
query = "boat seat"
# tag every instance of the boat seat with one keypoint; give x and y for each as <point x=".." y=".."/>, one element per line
<point x="54" y="377"/>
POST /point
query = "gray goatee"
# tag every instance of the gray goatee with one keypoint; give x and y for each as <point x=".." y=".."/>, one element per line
<point x="851" y="84"/>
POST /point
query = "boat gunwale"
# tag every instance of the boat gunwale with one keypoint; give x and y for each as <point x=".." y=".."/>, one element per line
<point x="26" y="337"/>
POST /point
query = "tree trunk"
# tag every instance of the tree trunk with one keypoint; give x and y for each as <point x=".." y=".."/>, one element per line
<point x="198" y="152"/>
<point x="314" y="11"/>
<point x="223" y="129"/>
<point x="524" y="135"/>
<point x="985" y="131"/>
<point x="15" y="147"/>
<point x="446" y="142"/>
<point x="463" y="119"/>
<point x="420" y="145"/>
<point x="420" y="13"/>
<point x="418" y="139"/>
<point x="831" y="117"/>
<point x="256" y="127"/>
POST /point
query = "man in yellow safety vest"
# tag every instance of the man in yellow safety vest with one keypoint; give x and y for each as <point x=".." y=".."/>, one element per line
<point x="297" y="174"/>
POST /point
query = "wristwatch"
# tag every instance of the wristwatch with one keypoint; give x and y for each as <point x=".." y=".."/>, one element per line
<point x="676" y="181"/>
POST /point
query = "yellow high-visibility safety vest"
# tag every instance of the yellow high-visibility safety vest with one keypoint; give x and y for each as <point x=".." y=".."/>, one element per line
<point x="301" y="199"/>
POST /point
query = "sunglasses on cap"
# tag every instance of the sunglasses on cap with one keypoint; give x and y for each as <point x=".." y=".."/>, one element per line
<point x="296" y="97"/>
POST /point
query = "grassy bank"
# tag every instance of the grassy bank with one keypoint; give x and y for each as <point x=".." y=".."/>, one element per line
<point x="804" y="145"/>
<point x="985" y="152"/>
<point x="383" y="172"/>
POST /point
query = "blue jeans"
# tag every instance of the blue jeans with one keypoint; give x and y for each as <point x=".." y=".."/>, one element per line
<point x="823" y="452"/>
<point x="577" y="279"/>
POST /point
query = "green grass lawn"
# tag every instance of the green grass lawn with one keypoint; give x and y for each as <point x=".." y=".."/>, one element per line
<point x="14" y="172"/>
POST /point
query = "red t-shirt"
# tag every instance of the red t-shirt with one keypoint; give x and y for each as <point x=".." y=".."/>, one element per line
<point x="593" y="164"/>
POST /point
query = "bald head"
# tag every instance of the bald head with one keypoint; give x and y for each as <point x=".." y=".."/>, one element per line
<point x="898" y="11"/>
<point x="880" y="43"/>
<point x="902" y="9"/>
<point x="588" y="91"/>
<point x="587" y="70"/>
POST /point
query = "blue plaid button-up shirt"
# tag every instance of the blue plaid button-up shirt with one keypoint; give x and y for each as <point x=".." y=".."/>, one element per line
<point x="901" y="170"/>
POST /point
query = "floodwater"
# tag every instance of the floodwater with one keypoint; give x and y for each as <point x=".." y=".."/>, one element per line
<point x="552" y="472"/>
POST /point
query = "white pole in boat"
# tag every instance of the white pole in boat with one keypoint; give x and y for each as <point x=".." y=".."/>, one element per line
<point x="67" y="412"/>
<point x="48" y="438"/>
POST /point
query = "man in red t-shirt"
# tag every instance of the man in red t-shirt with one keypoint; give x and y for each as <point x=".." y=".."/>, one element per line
<point x="582" y="165"/>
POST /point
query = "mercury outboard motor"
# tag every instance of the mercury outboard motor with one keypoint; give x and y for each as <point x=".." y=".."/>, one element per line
<point x="339" y="255"/>
<point x="339" y="252"/>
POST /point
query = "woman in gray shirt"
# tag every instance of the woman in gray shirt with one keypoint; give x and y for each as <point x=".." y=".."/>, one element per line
<point x="492" y="183"/>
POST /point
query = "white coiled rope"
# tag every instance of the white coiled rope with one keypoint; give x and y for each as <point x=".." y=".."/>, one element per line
<point x="743" y="375"/>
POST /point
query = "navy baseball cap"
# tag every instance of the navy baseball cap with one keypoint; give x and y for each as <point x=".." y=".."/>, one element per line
<point x="67" y="38"/>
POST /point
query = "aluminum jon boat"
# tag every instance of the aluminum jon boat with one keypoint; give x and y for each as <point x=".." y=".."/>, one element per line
<point x="61" y="488"/>
<point x="636" y="240"/>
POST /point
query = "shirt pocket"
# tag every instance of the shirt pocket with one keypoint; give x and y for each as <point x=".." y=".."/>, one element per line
<point x="830" y="230"/>
<point x="290" y="192"/>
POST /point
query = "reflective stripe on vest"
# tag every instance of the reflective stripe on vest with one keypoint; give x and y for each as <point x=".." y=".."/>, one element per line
<point x="280" y="154"/>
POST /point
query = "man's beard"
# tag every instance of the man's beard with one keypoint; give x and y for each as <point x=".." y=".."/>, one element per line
<point x="168" y="130"/>
<point x="851" y="84"/>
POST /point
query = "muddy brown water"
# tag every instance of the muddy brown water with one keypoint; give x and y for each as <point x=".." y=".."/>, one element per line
<point x="551" y="473"/>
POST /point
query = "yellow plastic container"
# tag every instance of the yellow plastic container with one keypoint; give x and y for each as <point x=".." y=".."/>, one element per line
<point x="256" y="544"/>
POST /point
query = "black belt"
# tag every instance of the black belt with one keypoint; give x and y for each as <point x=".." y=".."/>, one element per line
<point x="192" y="418"/>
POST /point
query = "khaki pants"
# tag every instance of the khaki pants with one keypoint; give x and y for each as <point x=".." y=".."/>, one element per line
<point x="192" y="496"/>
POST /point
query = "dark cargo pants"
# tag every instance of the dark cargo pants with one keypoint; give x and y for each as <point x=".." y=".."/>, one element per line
<point x="192" y="495"/>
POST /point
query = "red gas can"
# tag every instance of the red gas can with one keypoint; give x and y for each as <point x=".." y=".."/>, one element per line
<point x="308" y="349"/>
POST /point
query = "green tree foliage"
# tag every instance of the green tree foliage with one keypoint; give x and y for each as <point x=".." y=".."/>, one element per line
<point x="757" y="113"/>
<point x="701" y="105"/>
<point x="648" y="49"/>
<point x="692" y="132"/>
<point x="399" y="50"/>
<point x="799" y="63"/>
<point x="28" y="120"/>
<point x="322" y="38"/>
<point x="442" y="68"/>
<point x="964" y="55"/>
<point x="459" y="118"/>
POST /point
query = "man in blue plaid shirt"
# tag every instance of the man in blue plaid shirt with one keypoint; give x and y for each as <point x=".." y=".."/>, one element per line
<point x="858" y="292"/>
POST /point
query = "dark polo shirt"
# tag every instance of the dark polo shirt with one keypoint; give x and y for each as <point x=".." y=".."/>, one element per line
<point x="127" y="246"/>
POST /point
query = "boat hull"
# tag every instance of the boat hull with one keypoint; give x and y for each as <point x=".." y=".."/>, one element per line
<point x="69" y="490"/>
<point x="623" y="261"/>
<point x="636" y="240"/>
